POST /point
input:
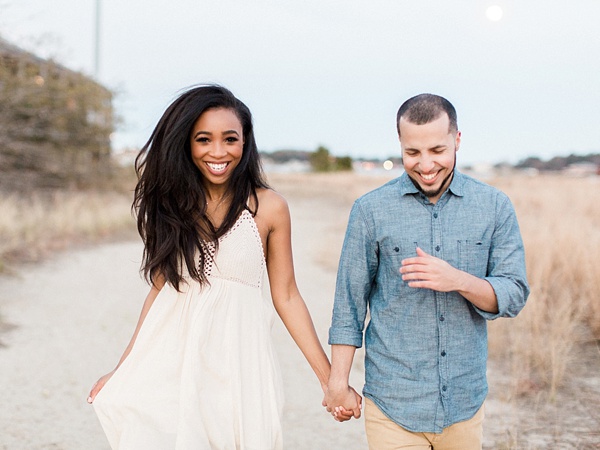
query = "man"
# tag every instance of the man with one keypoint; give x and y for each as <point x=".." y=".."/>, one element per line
<point x="432" y="255"/>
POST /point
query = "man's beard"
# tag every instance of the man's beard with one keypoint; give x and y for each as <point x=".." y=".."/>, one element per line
<point x="438" y="191"/>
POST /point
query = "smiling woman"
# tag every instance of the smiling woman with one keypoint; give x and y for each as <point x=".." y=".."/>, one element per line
<point x="217" y="145"/>
<point x="200" y="370"/>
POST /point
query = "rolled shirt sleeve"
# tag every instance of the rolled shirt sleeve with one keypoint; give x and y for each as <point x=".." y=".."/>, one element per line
<point x="356" y="272"/>
<point x="506" y="264"/>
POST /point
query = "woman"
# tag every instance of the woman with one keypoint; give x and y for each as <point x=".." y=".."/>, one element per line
<point x="200" y="370"/>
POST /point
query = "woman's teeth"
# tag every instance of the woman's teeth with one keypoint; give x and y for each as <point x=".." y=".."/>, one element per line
<point x="217" y="167"/>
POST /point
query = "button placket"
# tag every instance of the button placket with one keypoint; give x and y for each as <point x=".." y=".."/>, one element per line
<point x="441" y="299"/>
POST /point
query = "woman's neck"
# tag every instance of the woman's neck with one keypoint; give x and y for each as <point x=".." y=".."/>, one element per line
<point x="214" y="195"/>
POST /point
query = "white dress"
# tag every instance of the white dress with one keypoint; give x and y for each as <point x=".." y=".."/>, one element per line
<point x="202" y="374"/>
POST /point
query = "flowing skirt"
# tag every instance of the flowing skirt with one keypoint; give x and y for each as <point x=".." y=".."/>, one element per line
<point x="202" y="375"/>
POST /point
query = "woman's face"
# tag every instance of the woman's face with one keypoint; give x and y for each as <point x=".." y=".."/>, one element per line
<point x="217" y="143"/>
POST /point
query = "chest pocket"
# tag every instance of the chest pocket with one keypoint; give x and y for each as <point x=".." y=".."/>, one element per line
<point x="391" y="254"/>
<point x="398" y="250"/>
<point x="473" y="256"/>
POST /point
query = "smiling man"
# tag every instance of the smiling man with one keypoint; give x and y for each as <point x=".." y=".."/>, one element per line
<point x="428" y="148"/>
<point x="431" y="255"/>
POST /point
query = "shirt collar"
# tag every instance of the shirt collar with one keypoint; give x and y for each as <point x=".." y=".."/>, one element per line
<point x="456" y="185"/>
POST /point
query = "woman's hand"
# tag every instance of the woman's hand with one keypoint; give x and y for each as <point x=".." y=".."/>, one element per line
<point x="98" y="385"/>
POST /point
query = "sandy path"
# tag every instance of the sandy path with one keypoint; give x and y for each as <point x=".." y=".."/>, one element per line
<point x="72" y="316"/>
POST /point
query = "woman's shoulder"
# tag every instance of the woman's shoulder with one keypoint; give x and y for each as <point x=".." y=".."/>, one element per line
<point x="271" y="205"/>
<point x="270" y="199"/>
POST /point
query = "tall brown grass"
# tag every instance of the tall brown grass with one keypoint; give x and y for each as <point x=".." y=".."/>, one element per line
<point x="560" y="224"/>
<point x="33" y="225"/>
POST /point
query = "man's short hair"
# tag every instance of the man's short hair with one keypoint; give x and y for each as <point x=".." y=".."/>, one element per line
<point x="425" y="108"/>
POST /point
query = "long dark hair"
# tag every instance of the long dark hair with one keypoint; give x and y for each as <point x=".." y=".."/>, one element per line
<point x="170" y="199"/>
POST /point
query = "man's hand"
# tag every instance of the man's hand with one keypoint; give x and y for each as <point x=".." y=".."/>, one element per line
<point x="343" y="403"/>
<point x="428" y="272"/>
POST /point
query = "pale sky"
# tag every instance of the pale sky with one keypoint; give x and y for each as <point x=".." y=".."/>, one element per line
<point x="333" y="73"/>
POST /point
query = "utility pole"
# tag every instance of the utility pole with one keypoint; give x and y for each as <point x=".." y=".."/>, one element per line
<point x="97" y="42"/>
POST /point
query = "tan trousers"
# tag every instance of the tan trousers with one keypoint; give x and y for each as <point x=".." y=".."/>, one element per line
<point x="384" y="434"/>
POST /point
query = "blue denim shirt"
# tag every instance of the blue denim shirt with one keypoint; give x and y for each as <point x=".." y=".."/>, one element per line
<point x="426" y="351"/>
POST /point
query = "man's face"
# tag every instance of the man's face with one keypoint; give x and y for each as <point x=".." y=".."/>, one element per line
<point x="429" y="154"/>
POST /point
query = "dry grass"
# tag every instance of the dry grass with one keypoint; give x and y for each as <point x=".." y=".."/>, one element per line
<point x="560" y="224"/>
<point x="31" y="226"/>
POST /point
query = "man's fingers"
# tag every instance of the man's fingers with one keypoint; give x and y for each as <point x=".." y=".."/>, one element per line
<point x="422" y="253"/>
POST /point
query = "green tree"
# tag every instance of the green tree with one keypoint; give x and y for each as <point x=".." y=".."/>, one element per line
<point x="343" y="163"/>
<point x="320" y="160"/>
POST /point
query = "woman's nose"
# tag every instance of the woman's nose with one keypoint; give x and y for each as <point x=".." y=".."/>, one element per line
<point x="218" y="150"/>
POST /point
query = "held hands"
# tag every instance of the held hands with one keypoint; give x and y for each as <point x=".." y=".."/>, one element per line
<point x="98" y="385"/>
<point x="343" y="403"/>
<point x="427" y="271"/>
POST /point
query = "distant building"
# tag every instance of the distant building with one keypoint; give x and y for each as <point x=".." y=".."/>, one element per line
<point x="55" y="123"/>
<point x="582" y="169"/>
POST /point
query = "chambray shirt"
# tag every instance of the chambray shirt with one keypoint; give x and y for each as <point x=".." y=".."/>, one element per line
<point x="426" y="351"/>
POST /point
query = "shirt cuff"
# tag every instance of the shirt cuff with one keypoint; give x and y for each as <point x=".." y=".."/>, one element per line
<point x="506" y="306"/>
<point x="344" y="336"/>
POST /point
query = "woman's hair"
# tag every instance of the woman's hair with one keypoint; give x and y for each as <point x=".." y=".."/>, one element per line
<point x="170" y="199"/>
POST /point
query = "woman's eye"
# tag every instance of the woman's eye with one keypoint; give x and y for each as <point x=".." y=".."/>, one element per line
<point x="231" y="139"/>
<point x="202" y="140"/>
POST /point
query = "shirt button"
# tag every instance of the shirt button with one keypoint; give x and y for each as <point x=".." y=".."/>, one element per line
<point x="435" y="215"/>
<point x="437" y="248"/>
<point x="443" y="353"/>
<point x="442" y="318"/>
<point x="444" y="388"/>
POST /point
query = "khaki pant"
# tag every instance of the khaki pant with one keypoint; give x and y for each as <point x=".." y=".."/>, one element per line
<point x="384" y="434"/>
